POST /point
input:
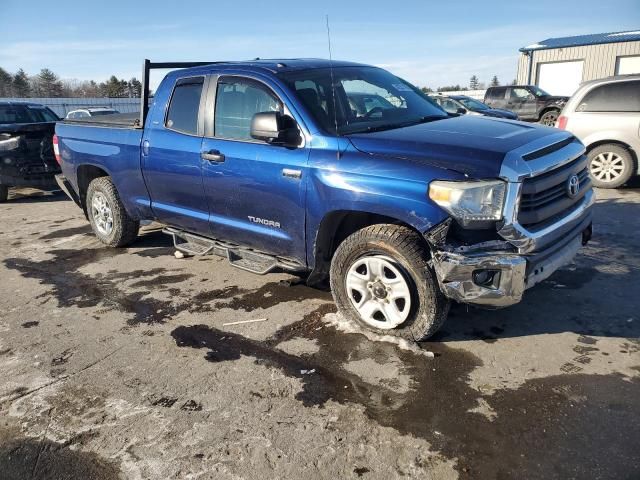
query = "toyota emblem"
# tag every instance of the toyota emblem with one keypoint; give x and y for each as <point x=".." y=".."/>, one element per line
<point x="573" y="186"/>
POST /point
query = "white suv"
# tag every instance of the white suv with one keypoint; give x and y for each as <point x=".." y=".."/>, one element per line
<point x="605" y="115"/>
<point x="91" y="112"/>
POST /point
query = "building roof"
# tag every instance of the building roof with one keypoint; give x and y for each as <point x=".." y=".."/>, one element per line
<point x="581" y="40"/>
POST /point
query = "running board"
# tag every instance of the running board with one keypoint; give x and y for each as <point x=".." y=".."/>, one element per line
<point x="238" y="256"/>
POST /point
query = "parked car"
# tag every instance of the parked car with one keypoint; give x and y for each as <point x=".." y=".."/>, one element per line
<point x="605" y="115"/>
<point x="461" y="104"/>
<point x="401" y="209"/>
<point x="91" y="112"/>
<point x="529" y="102"/>
<point x="26" y="152"/>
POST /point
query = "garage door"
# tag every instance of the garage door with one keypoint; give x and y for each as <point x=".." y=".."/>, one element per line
<point x="560" y="78"/>
<point x="628" y="65"/>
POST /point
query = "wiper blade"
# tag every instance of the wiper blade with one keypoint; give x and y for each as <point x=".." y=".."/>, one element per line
<point x="391" y="126"/>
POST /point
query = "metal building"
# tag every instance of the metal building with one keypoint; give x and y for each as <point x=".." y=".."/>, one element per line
<point x="559" y="65"/>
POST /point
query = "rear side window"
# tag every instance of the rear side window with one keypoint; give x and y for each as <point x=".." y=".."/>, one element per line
<point x="237" y="101"/>
<point x="614" y="97"/>
<point x="496" y="93"/>
<point x="185" y="104"/>
<point x="26" y="114"/>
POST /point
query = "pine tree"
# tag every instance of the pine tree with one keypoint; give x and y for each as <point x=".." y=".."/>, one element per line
<point x="6" y="83"/>
<point x="494" y="81"/>
<point x="21" y="86"/>
<point x="473" y="83"/>
<point x="48" y="84"/>
<point x="134" y="88"/>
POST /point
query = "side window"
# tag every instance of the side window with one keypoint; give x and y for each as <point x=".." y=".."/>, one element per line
<point x="520" y="93"/>
<point x="497" y="94"/>
<point x="449" y="105"/>
<point x="615" y="97"/>
<point x="237" y="101"/>
<point x="185" y="104"/>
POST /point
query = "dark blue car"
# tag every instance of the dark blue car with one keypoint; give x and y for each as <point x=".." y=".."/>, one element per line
<point x="343" y="172"/>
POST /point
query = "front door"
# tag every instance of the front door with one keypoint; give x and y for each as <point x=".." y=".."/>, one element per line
<point x="521" y="101"/>
<point x="256" y="191"/>
<point x="172" y="166"/>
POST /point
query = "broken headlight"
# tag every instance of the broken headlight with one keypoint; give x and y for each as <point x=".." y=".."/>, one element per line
<point x="472" y="204"/>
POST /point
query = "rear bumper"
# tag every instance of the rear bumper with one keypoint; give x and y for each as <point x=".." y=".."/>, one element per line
<point x="66" y="187"/>
<point x="499" y="279"/>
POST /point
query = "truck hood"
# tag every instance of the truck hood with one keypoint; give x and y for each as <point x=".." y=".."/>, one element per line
<point x="472" y="145"/>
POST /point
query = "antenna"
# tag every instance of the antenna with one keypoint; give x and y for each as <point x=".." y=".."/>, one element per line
<point x="333" y="87"/>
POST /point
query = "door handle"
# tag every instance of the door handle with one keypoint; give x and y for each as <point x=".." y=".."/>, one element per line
<point x="291" y="173"/>
<point x="213" y="156"/>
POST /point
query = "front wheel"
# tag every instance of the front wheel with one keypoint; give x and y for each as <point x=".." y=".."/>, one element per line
<point x="4" y="193"/>
<point x="381" y="279"/>
<point x="550" y="118"/>
<point x="109" y="220"/>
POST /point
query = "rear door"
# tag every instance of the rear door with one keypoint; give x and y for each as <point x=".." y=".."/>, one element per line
<point x="255" y="190"/>
<point x="609" y="112"/>
<point x="171" y="159"/>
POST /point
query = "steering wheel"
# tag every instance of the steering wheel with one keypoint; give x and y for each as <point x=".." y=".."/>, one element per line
<point x="372" y="111"/>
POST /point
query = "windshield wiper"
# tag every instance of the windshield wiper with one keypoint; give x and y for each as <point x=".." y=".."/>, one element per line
<point x="391" y="126"/>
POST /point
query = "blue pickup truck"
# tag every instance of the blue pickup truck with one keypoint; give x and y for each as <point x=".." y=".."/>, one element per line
<point x="343" y="172"/>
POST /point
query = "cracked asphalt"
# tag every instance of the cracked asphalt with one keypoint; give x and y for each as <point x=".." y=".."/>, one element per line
<point x="118" y="364"/>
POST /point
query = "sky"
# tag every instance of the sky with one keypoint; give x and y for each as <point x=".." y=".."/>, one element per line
<point x="428" y="43"/>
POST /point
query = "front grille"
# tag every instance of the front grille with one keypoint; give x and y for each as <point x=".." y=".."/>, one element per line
<point x="545" y="198"/>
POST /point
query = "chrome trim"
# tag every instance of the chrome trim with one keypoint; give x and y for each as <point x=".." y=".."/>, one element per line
<point x="526" y="241"/>
<point x="455" y="276"/>
<point x="515" y="169"/>
<point x="454" y="272"/>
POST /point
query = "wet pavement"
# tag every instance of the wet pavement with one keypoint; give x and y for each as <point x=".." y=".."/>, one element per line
<point x="118" y="364"/>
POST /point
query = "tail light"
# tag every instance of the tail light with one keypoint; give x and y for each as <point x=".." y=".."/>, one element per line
<point x="562" y="122"/>
<point x="56" y="149"/>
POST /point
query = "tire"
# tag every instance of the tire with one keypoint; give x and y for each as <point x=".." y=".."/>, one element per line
<point x="610" y="165"/>
<point x="549" y="118"/>
<point x="401" y="252"/>
<point x="4" y="193"/>
<point x="121" y="230"/>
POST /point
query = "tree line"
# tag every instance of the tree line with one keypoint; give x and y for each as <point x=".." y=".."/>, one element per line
<point x="474" y="84"/>
<point x="47" y="84"/>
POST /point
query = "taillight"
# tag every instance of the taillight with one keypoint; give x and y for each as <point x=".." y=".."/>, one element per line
<point x="56" y="149"/>
<point x="562" y="122"/>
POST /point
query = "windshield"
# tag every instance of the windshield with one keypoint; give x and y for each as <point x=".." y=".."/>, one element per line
<point x="366" y="99"/>
<point x="538" y="92"/>
<point x="472" y="103"/>
<point x="26" y="114"/>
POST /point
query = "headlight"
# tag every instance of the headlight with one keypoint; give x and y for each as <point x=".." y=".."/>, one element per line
<point x="10" y="144"/>
<point x="470" y="203"/>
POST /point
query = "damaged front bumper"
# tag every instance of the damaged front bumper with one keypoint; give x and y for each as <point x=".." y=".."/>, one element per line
<point x="485" y="275"/>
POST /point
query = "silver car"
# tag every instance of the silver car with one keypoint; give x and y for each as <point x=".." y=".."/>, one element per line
<point x="605" y="115"/>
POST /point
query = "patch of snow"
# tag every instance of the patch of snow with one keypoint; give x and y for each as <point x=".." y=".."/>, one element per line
<point x="340" y="323"/>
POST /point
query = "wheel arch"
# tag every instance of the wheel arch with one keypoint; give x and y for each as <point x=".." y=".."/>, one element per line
<point x="85" y="174"/>
<point x="334" y="228"/>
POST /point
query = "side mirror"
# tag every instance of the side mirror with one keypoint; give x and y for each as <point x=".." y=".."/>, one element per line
<point x="275" y="128"/>
<point x="461" y="110"/>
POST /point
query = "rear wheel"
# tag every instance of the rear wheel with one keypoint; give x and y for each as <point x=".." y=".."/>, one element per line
<point x="381" y="279"/>
<point x="109" y="220"/>
<point x="4" y="193"/>
<point x="610" y="166"/>
<point x="549" y="118"/>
